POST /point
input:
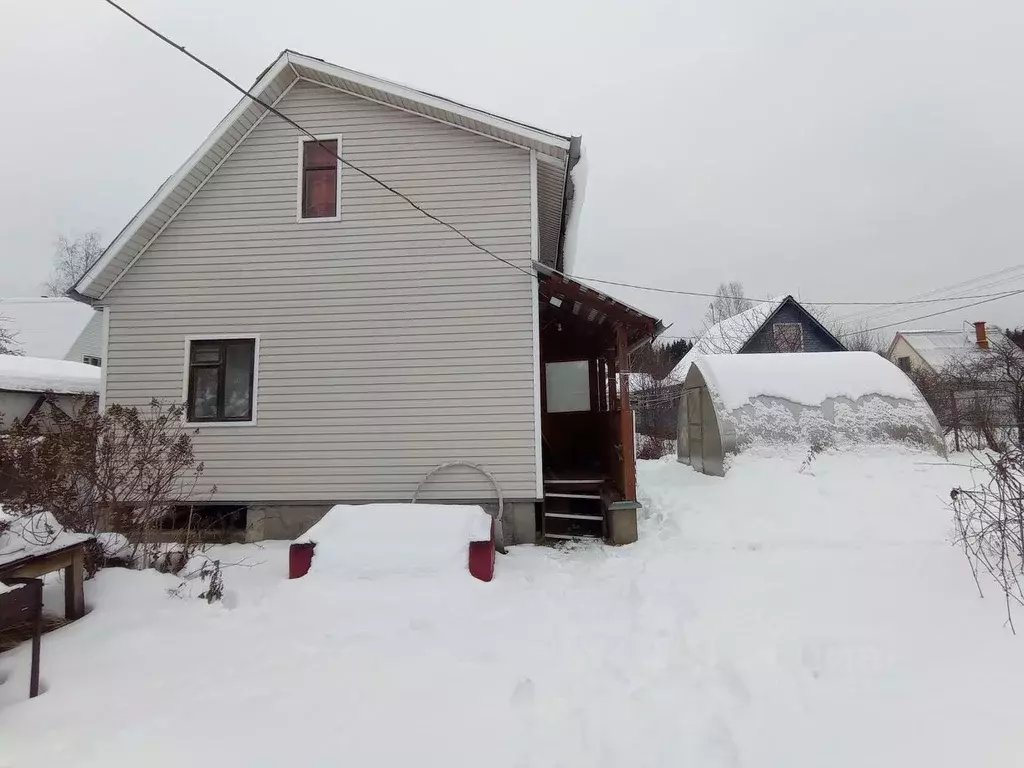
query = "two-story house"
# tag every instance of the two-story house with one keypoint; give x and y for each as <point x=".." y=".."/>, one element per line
<point x="344" y="315"/>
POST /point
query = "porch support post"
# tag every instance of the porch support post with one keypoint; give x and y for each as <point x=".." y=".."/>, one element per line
<point x="625" y="417"/>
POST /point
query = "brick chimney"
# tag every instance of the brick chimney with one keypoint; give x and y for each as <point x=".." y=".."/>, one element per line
<point x="981" y="335"/>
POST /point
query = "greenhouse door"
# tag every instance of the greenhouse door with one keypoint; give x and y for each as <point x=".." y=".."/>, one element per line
<point x="695" y="427"/>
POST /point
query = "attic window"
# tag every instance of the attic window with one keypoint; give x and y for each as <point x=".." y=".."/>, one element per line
<point x="319" y="190"/>
<point x="788" y="337"/>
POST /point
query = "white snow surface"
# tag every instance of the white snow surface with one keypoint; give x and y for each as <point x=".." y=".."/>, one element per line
<point x="373" y="540"/>
<point x="572" y="223"/>
<point x="778" y="616"/>
<point x="45" y="326"/>
<point x="33" y="535"/>
<point x="38" y="374"/>
<point x="804" y="378"/>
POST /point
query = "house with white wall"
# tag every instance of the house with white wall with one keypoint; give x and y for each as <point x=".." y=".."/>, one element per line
<point x="344" y="312"/>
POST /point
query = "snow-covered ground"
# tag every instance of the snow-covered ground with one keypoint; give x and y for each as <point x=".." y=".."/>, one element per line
<point x="774" y="617"/>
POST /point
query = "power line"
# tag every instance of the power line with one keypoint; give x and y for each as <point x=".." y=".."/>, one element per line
<point x="813" y="303"/>
<point x="331" y="152"/>
<point x="956" y="291"/>
<point x="933" y="314"/>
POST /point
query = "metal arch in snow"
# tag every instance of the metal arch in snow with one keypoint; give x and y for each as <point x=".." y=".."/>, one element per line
<point x="482" y="471"/>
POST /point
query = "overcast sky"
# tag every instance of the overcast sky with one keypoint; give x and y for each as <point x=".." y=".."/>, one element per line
<point x="836" y="150"/>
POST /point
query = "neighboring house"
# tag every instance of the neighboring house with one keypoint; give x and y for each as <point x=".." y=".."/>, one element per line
<point x="56" y="328"/>
<point x="334" y="344"/>
<point x="26" y="382"/>
<point x="781" y="324"/>
<point x="972" y="377"/>
<point x="933" y="351"/>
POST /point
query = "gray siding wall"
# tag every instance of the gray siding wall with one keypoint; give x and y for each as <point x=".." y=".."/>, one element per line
<point x="387" y="344"/>
<point x="814" y="339"/>
<point x="90" y="341"/>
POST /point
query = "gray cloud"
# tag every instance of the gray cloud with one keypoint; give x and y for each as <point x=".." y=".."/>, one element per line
<point x="834" y="150"/>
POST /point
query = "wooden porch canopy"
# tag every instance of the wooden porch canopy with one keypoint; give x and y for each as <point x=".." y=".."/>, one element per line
<point x="592" y="313"/>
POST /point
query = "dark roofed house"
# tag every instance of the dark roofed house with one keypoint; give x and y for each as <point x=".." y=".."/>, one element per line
<point x="781" y="324"/>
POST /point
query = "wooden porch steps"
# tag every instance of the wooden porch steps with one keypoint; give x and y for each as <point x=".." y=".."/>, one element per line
<point x="573" y="508"/>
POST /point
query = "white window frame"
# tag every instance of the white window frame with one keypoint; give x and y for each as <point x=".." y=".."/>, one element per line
<point x="775" y="335"/>
<point x="303" y="140"/>
<point x="242" y="336"/>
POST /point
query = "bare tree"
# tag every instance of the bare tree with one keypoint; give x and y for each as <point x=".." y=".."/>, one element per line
<point x="989" y="520"/>
<point x="72" y="260"/>
<point x="8" y="339"/>
<point x="729" y="300"/>
<point x="978" y="396"/>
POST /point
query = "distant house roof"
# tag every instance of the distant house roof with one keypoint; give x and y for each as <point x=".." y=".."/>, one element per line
<point x="939" y="348"/>
<point x="45" y="327"/>
<point x="556" y="156"/>
<point x="38" y="374"/>
<point x="732" y="335"/>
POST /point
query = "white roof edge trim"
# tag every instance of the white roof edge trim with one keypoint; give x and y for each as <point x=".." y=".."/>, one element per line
<point x="437" y="102"/>
<point x="286" y="60"/>
<point x="157" y="200"/>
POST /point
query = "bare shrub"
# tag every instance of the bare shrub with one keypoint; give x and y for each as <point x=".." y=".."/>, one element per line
<point x="120" y="470"/>
<point x="652" y="448"/>
<point x="989" y="521"/>
<point x="8" y="339"/>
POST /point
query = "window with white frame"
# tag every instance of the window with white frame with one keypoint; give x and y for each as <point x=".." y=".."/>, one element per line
<point x="92" y="360"/>
<point x="320" y="179"/>
<point x="788" y="337"/>
<point x="221" y="380"/>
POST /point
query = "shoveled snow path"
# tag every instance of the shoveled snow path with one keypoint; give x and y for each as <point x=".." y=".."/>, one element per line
<point x="769" y="618"/>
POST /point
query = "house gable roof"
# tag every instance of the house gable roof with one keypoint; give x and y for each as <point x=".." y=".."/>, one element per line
<point x="791" y="302"/>
<point x="555" y="156"/>
<point x="735" y="334"/>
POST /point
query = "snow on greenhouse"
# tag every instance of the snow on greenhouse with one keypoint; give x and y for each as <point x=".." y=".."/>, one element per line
<point x="835" y="399"/>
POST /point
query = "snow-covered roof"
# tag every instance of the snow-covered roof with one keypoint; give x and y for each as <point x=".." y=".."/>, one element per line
<point x="38" y="374"/>
<point x="552" y="153"/>
<point x="24" y="537"/>
<point x="806" y="379"/>
<point x="939" y="348"/>
<point x="728" y="336"/>
<point x="45" y="327"/>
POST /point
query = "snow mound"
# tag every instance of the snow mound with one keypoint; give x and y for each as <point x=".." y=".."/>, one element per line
<point x="37" y="374"/>
<point x="374" y="540"/>
<point x="26" y="536"/>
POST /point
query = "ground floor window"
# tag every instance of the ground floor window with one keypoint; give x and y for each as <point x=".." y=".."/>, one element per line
<point x="221" y="380"/>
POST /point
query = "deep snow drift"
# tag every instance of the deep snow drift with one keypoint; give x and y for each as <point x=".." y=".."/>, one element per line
<point x="774" y="617"/>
